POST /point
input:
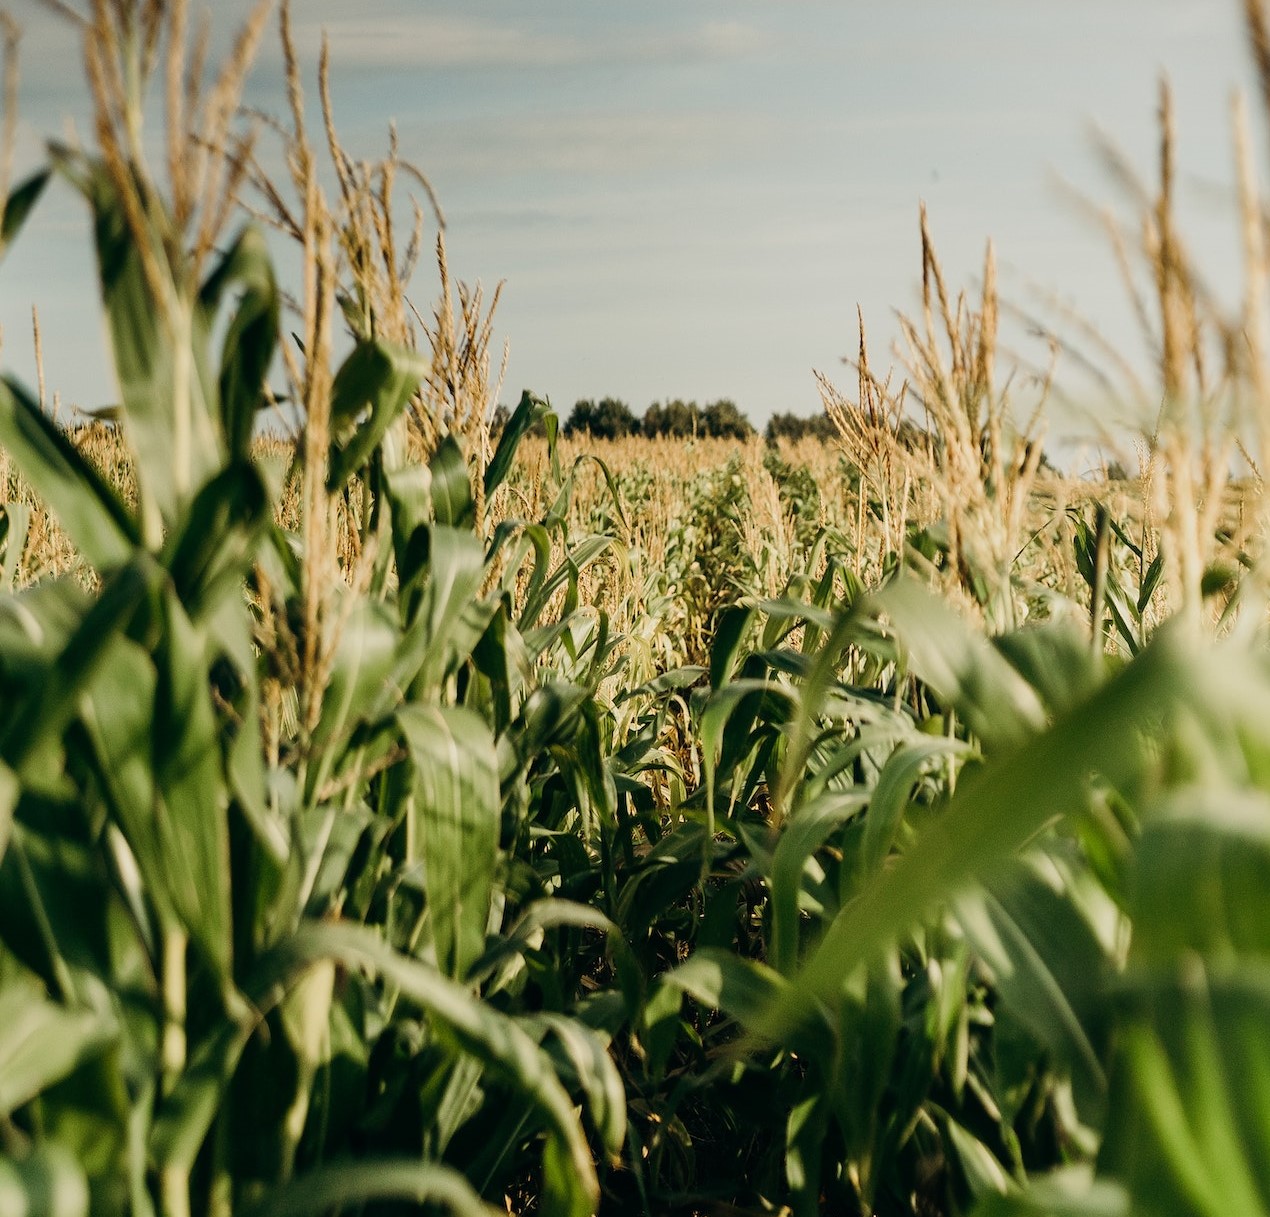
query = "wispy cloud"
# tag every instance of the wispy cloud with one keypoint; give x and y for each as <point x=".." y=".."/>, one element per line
<point x="432" y="40"/>
<point x="621" y="144"/>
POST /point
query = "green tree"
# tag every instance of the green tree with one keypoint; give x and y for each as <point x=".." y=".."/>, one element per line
<point x="609" y="418"/>
<point x="788" y="425"/>
<point x="675" y="418"/>
<point x="724" y="420"/>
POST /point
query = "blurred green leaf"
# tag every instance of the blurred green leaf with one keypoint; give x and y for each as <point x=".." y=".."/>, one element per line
<point x="86" y="505"/>
<point x="999" y="705"/>
<point x="41" y="1042"/>
<point x="338" y="1186"/>
<point x="1033" y="925"/>
<point x="209" y="552"/>
<point x="452" y="503"/>
<point x="168" y="410"/>
<point x="370" y="391"/>
<point x="1069" y="1192"/>
<point x="251" y="337"/>
<point x="15" y="524"/>
<point x="192" y="796"/>
<point x="18" y="206"/>
<point x="44" y="1182"/>
<point x="1191" y="1133"/>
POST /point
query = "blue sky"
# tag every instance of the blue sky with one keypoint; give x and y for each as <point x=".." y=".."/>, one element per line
<point x="689" y="198"/>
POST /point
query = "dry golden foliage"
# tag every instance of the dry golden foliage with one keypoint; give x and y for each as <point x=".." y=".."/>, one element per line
<point x="944" y="447"/>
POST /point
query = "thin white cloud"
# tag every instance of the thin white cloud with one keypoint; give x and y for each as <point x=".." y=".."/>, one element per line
<point x="590" y="143"/>
<point x="440" y="41"/>
<point x="431" y="40"/>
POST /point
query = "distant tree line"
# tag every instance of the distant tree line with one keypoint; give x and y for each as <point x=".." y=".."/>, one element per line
<point x="799" y="426"/>
<point x="612" y="418"/>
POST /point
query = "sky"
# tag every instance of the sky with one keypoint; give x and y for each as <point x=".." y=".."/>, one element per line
<point x="690" y="198"/>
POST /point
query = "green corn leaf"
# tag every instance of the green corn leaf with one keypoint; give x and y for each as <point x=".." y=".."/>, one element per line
<point x="452" y="502"/>
<point x="1042" y="926"/>
<point x="186" y="1114"/>
<point x="596" y="1073"/>
<point x="370" y="391"/>
<point x="35" y="624"/>
<point x="529" y="411"/>
<point x="548" y="716"/>
<point x="1150" y="581"/>
<point x="157" y="343"/>
<point x="496" y="657"/>
<point x="347" y="1186"/>
<point x="577" y="560"/>
<point x="251" y="338"/>
<point x="803" y="834"/>
<point x="118" y="711"/>
<point x="1001" y="708"/>
<point x="55" y="702"/>
<point x="1070" y="1192"/>
<point x="210" y="551"/>
<point x="457" y="816"/>
<point x="744" y="988"/>
<point x="19" y="205"/>
<point x="572" y="1189"/>
<point x="451" y="616"/>
<point x="409" y="491"/>
<point x="10" y="789"/>
<point x="729" y="634"/>
<point x="805" y="1132"/>
<point x="1201" y="878"/>
<point x="727" y="730"/>
<point x="85" y="504"/>
<point x="45" y="1182"/>
<point x="984" y="1174"/>
<point x="41" y="1042"/>
<point x="996" y="810"/>
<point x="360" y="669"/>
<point x="1191" y="1134"/>
<point x="893" y="790"/>
<point x="15" y="524"/>
<point x="527" y="933"/>
<point x="192" y="794"/>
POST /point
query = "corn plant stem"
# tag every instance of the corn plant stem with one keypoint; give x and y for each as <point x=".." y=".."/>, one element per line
<point x="174" y="1180"/>
<point x="220" y="1192"/>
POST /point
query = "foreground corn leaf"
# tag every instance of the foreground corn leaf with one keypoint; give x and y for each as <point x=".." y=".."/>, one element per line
<point x="1046" y="931"/>
<point x="44" y="1182"/>
<point x="455" y="823"/>
<point x="1000" y="807"/>
<point x="191" y="794"/>
<point x="168" y="399"/>
<point x="345" y="1185"/>
<point x="9" y="792"/>
<point x="41" y="1042"/>
<point x="570" y="1184"/>
<point x="250" y="338"/>
<point x="371" y="390"/>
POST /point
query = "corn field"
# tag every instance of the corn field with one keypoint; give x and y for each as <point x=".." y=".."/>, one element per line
<point x="398" y="816"/>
